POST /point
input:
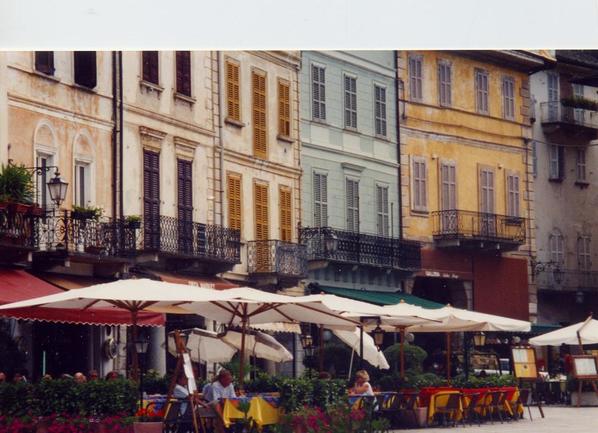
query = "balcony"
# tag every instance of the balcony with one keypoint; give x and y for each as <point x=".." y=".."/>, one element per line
<point x="556" y="115"/>
<point x="283" y="263"/>
<point x="18" y="233"/>
<point x="181" y="243"/>
<point x="478" y="230"/>
<point x="566" y="280"/>
<point x="330" y="244"/>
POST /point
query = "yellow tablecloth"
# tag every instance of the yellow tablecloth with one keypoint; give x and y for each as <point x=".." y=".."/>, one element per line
<point x="260" y="412"/>
<point x="440" y="399"/>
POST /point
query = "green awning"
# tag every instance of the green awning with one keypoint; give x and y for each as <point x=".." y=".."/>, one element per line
<point x="380" y="298"/>
<point x="543" y="328"/>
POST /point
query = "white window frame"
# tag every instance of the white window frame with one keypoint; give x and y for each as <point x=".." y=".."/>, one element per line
<point x="87" y="167"/>
<point x="584" y="256"/>
<point x="322" y="203"/>
<point x="350" y="101"/>
<point x="380" y="100"/>
<point x="580" y="165"/>
<point x="320" y="102"/>
<point x="482" y="91"/>
<point x="513" y="189"/>
<point x="508" y="97"/>
<point x="445" y="83"/>
<point x="416" y="74"/>
<point x="556" y="244"/>
<point x="41" y="189"/>
<point x="352" y="211"/>
<point x="419" y="183"/>
<point x="382" y="210"/>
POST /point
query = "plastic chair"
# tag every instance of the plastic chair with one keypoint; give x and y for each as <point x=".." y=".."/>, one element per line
<point x="452" y="407"/>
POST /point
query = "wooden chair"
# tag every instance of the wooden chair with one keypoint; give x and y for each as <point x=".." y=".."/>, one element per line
<point x="452" y="408"/>
<point x="496" y="405"/>
<point x="470" y="412"/>
<point x="171" y="416"/>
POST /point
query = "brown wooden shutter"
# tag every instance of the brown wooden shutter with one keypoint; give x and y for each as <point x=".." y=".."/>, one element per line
<point x="183" y="72"/>
<point x="284" y="109"/>
<point x="151" y="70"/>
<point x="85" y="68"/>
<point x="151" y="199"/>
<point x="285" y="214"/>
<point x="232" y="91"/>
<point x="259" y="115"/>
<point x="44" y="62"/>
<point x="185" y="205"/>
<point x="262" y="226"/>
<point x="234" y="201"/>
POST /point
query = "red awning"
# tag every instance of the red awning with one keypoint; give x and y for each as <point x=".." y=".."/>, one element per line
<point x="207" y="282"/>
<point x="18" y="285"/>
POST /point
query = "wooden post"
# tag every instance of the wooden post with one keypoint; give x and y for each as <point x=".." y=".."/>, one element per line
<point x="133" y="348"/>
<point x="448" y="357"/>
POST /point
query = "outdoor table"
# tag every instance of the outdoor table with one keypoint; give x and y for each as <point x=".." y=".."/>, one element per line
<point x="356" y="400"/>
<point x="440" y="398"/>
<point x="263" y="410"/>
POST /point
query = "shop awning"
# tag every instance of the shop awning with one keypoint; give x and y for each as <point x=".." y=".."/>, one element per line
<point x="207" y="282"/>
<point x="380" y="298"/>
<point x="18" y="285"/>
<point x="543" y="328"/>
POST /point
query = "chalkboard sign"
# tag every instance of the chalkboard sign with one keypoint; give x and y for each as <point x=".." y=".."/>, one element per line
<point x="524" y="362"/>
<point x="584" y="367"/>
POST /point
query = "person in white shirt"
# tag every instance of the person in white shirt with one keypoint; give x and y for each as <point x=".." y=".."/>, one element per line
<point x="222" y="387"/>
<point x="362" y="384"/>
<point x="181" y="392"/>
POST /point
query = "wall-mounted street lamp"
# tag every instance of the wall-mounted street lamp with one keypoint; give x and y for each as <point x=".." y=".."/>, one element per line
<point x="57" y="188"/>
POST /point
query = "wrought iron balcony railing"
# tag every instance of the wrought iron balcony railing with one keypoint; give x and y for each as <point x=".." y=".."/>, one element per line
<point x="460" y="224"/>
<point x="566" y="279"/>
<point x="555" y="112"/>
<point x="284" y="259"/>
<point x="18" y="229"/>
<point x="326" y="243"/>
<point x="164" y="234"/>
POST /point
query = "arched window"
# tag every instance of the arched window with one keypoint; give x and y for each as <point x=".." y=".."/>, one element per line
<point x="46" y="155"/>
<point x="557" y="247"/>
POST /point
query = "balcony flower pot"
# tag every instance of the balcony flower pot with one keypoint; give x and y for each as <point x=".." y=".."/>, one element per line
<point x="147" y="427"/>
<point x="133" y="223"/>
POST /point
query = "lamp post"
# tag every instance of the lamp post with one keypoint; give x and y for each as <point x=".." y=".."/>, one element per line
<point x="307" y="343"/>
<point x="141" y="346"/>
<point x="57" y="188"/>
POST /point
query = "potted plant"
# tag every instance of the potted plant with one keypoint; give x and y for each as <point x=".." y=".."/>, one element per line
<point x="148" y="420"/>
<point x="86" y="212"/>
<point x="133" y="221"/>
<point x="16" y="188"/>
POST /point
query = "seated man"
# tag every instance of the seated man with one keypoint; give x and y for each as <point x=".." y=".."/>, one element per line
<point x="222" y="387"/>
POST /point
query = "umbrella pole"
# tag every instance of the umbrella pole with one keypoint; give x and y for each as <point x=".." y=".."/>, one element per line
<point x="242" y="353"/>
<point x="321" y="349"/>
<point x="134" y="357"/>
<point x="402" y="353"/>
<point x="361" y="347"/>
<point x="448" y="357"/>
<point x="351" y="363"/>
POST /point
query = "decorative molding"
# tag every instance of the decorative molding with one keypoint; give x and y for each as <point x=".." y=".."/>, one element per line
<point x="168" y="120"/>
<point x="185" y="148"/>
<point x="260" y="164"/>
<point x="151" y="139"/>
<point x="352" y="167"/>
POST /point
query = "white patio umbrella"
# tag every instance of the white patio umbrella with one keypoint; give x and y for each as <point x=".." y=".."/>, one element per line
<point x="371" y="353"/>
<point x="210" y="346"/>
<point x="585" y="332"/>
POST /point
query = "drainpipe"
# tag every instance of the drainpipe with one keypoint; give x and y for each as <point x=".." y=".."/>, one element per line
<point x="221" y="141"/>
<point x="114" y="134"/>
<point x="398" y="130"/>
<point x="120" y="132"/>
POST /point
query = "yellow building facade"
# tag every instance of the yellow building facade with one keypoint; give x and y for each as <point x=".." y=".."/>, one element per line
<point x="467" y="189"/>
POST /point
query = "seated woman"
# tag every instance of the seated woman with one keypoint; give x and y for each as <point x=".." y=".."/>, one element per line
<point x="362" y="384"/>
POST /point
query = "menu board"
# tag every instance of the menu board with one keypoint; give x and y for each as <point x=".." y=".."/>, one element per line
<point x="524" y="362"/>
<point x="584" y="367"/>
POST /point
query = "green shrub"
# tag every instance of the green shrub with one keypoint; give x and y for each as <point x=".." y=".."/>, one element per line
<point x="16" y="184"/>
<point x="494" y="380"/>
<point x="414" y="356"/>
<point x="154" y="383"/>
<point x="16" y="399"/>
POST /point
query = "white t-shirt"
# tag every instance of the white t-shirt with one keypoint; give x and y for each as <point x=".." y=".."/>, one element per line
<point x="369" y="390"/>
<point x="219" y="392"/>
<point x="181" y="392"/>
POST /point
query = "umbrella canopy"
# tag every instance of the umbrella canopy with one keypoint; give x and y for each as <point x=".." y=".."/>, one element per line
<point x="210" y="346"/>
<point x="585" y="332"/>
<point x="403" y="314"/>
<point x="370" y="352"/>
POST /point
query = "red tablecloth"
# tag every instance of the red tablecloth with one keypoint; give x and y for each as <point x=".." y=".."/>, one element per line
<point x="426" y="393"/>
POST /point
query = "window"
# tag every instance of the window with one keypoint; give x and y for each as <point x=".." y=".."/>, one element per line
<point x="150" y="67"/>
<point x="420" y="184"/>
<point x="584" y="259"/>
<point x="415" y="77"/>
<point x="82" y="182"/>
<point x="444" y="83"/>
<point x="580" y="164"/>
<point x="318" y="89"/>
<point x="85" y="68"/>
<point x="352" y="202"/>
<point x="286" y="225"/>
<point x="233" y="91"/>
<point x="448" y="185"/>
<point x="553" y="96"/>
<point x="486" y="190"/>
<point x="481" y="91"/>
<point x="380" y="110"/>
<point x="234" y="201"/>
<point x="42" y="193"/>
<point x="284" y="108"/>
<point x="382" y="210"/>
<point x="350" y="87"/>
<point x="513" y="195"/>
<point x="508" y="95"/>
<point x="258" y="103"/>
<point x="183" y="72"/>
<point x="556" y="244"/>
<point x="320" y="200"/>
<point x="44" y="62"/>
<point x="262" y="226"/>
<point x="578" y="113"/>
<point x="556" y="155"/>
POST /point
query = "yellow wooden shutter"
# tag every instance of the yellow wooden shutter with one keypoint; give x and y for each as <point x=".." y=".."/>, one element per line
<point x="285" y="214"/>
<point x="232" y="91"/>
<point x="259" y="115"/>
<point x="284" y="109"/>
<point x="234" y="201"/>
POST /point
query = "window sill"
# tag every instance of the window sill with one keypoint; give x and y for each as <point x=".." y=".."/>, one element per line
<point x="187" y="99"/>
<point x="285" y="138"/>
<point x="582" y="183"/>
<point x="85" y="88"/>
<point x="150" y="87"/>
<point x="234" y="122"/>
<point x="420" y="213"/>
<point x="46" y="76"/>
<point x="321" y="121"/>
<point x="555" y="179"/>
<point x="382" y="137"/>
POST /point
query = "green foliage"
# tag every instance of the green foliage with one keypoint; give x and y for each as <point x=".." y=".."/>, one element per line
<point x="494" y="380"/>
<point x="133" y="219"/>
<point x="65" y="396"/>
<point x="414" y="356"/>
<point x="153" y="383"/>
<point x="262" y="382"/>
<point x="87" y="212"/>
<point x="412" y="380"/>
<point x="337" y="358"/>
<point x="580" y="102"/>
<point x="16" y="184"/>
